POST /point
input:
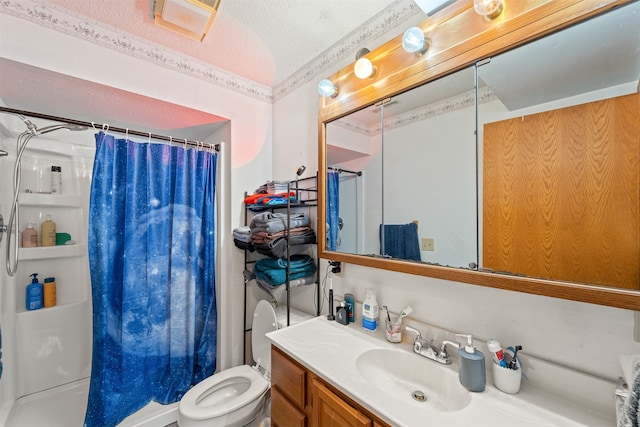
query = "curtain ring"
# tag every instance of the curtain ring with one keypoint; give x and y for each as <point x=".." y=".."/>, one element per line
<point x="93" y="125"/>
<point x="210" y="147"/>
<point x="170" y="140"/>
<point x="105" y="128"/>
<point x="185" y="144"/>
<point x="149" y="137"/>
<point x="126" y="134"/>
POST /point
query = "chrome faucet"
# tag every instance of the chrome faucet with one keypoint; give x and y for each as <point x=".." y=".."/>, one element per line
<point x="426" y="348"/>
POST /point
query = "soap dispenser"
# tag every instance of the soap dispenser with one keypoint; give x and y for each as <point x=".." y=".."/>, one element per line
<point x="34" y="294"/>
<point x="472" y="371"/>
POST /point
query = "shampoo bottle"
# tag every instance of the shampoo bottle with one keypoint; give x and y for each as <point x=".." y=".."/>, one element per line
<point x="48" y="232"/>
<point x="49" y="298"/>
<point x="34" y="294"/>
<point x="370" y="311"/>
<point x="29" y="237"/>
<point x="56" y="179"/>
<point x="472" y="371"/>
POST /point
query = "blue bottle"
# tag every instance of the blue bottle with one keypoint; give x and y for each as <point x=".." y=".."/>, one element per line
<point x="472" y="373"/>
<point x="34" y="294"/>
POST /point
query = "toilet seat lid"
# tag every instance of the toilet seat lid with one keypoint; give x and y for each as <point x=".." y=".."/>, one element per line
<point x="264" y="321"/>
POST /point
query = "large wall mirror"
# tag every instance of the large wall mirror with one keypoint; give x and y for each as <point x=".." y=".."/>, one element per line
<point x="518" y="171"/>
<point x="396" y="204"/>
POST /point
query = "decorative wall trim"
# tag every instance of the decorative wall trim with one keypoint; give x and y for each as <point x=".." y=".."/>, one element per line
<point x="464" y="100"/>
<point x="104" y="35"/>
<point x="398" y="12"/>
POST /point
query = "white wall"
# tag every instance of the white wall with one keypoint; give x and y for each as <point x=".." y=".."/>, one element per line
<point x="579" y="335"/>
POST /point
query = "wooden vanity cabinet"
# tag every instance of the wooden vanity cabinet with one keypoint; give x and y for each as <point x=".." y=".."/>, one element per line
<point x="300" y="398"/>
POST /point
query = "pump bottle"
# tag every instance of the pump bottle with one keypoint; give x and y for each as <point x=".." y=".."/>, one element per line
<point x="472" y="371"/>
<point x="34" y="294"/>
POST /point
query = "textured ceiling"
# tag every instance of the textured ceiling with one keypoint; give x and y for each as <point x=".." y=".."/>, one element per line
<point x="265" y="41"/>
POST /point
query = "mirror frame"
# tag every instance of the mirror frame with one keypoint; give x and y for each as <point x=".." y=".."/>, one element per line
<point x="459" y="38"/>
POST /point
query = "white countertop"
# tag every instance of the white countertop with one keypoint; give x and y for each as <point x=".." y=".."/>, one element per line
<point x="330" y="350"/>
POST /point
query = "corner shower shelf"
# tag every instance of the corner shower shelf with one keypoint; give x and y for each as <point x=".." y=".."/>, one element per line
<point x="51" y="200"/>
<point x="51" y="252"/>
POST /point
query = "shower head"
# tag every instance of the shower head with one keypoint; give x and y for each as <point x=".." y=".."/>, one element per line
<point x="68" y="126"/>
<point x="301" y="170"/>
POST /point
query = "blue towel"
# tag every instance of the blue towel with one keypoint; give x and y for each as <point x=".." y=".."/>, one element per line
<point x="400" y="241"/>
<point x="274" y="271"/>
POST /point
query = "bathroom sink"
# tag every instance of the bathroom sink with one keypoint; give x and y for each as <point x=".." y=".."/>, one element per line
<point x="413" y="379"/>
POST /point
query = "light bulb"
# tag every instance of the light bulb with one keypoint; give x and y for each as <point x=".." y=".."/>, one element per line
<point x="413" y="41"/>
<point x="326" y="88"/>
<point x="363" y="68"/>
<point x="488" y="8"/>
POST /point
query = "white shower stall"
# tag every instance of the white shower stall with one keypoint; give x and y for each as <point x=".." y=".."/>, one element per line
<point x="46" y="353"/>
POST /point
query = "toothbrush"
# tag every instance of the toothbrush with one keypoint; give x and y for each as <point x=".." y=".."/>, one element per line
<point x="512" y="364"/>
<point x="387" y="310"/>
<point x="404" y="313"/>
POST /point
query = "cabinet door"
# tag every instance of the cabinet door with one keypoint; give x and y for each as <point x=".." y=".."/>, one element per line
<point x="329" y="410"/>
<point x="284" y="413"/>
<point x="289" y="377"/>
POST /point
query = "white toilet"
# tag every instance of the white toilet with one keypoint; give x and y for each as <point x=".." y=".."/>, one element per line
<point x="236" y="396"/>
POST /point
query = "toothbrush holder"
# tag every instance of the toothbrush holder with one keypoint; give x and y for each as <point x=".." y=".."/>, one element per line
<point x="393" y="330"/>
<point x="505" y="379"/>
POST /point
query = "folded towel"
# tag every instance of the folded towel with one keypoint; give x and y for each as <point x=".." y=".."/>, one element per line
<point x="274" y="222"/>
<point x="277" y="292"/>
<point x="274" y="271"/>
<point x="628" y="408"/>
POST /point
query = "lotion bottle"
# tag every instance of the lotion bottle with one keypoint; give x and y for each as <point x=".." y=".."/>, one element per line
<point x="472" y="371"/>
<point x="29" y="237"/>
<point x="34" y="294"/>
<point x="370" y="311"/>
<point x="49" y="292"/>
<point x="48" y="232"/>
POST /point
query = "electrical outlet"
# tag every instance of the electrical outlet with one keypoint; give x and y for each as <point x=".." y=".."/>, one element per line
<point x="428" y="244"/>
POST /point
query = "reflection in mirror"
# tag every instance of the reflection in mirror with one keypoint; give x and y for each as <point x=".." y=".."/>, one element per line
<point x="560" y="143"/>
<point x="416" y="196"/>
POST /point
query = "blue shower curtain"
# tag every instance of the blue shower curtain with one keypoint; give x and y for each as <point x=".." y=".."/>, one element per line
<point x="151" y="254"/>
<point x="333" y="209"/>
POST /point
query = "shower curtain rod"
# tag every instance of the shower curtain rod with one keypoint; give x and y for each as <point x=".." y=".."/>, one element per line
<point x="106" y="127"/>
<point x="359" y="173"/>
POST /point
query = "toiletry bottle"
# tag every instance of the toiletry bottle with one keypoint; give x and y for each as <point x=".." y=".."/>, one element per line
<point x="370" y="311"/>
<point x="342" y="314"/>
<point x="29" y="237"/>
<point x="472" y="373"/>
<point x="56" y="179"/>
<point x="496" y="353"/>
<point x="348" y="298"/>
<point x="49" y="292"/>
<point x="48" y="232"/>
<point x="34" y="294"/>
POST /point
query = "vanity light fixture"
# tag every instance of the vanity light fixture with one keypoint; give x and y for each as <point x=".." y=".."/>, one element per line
<point x="413" y="41"/>
<point x="191" y="18"/>
<point x="326" y="88"/>
<point x="490" y="9"/>
<point x="363" y="67"/>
